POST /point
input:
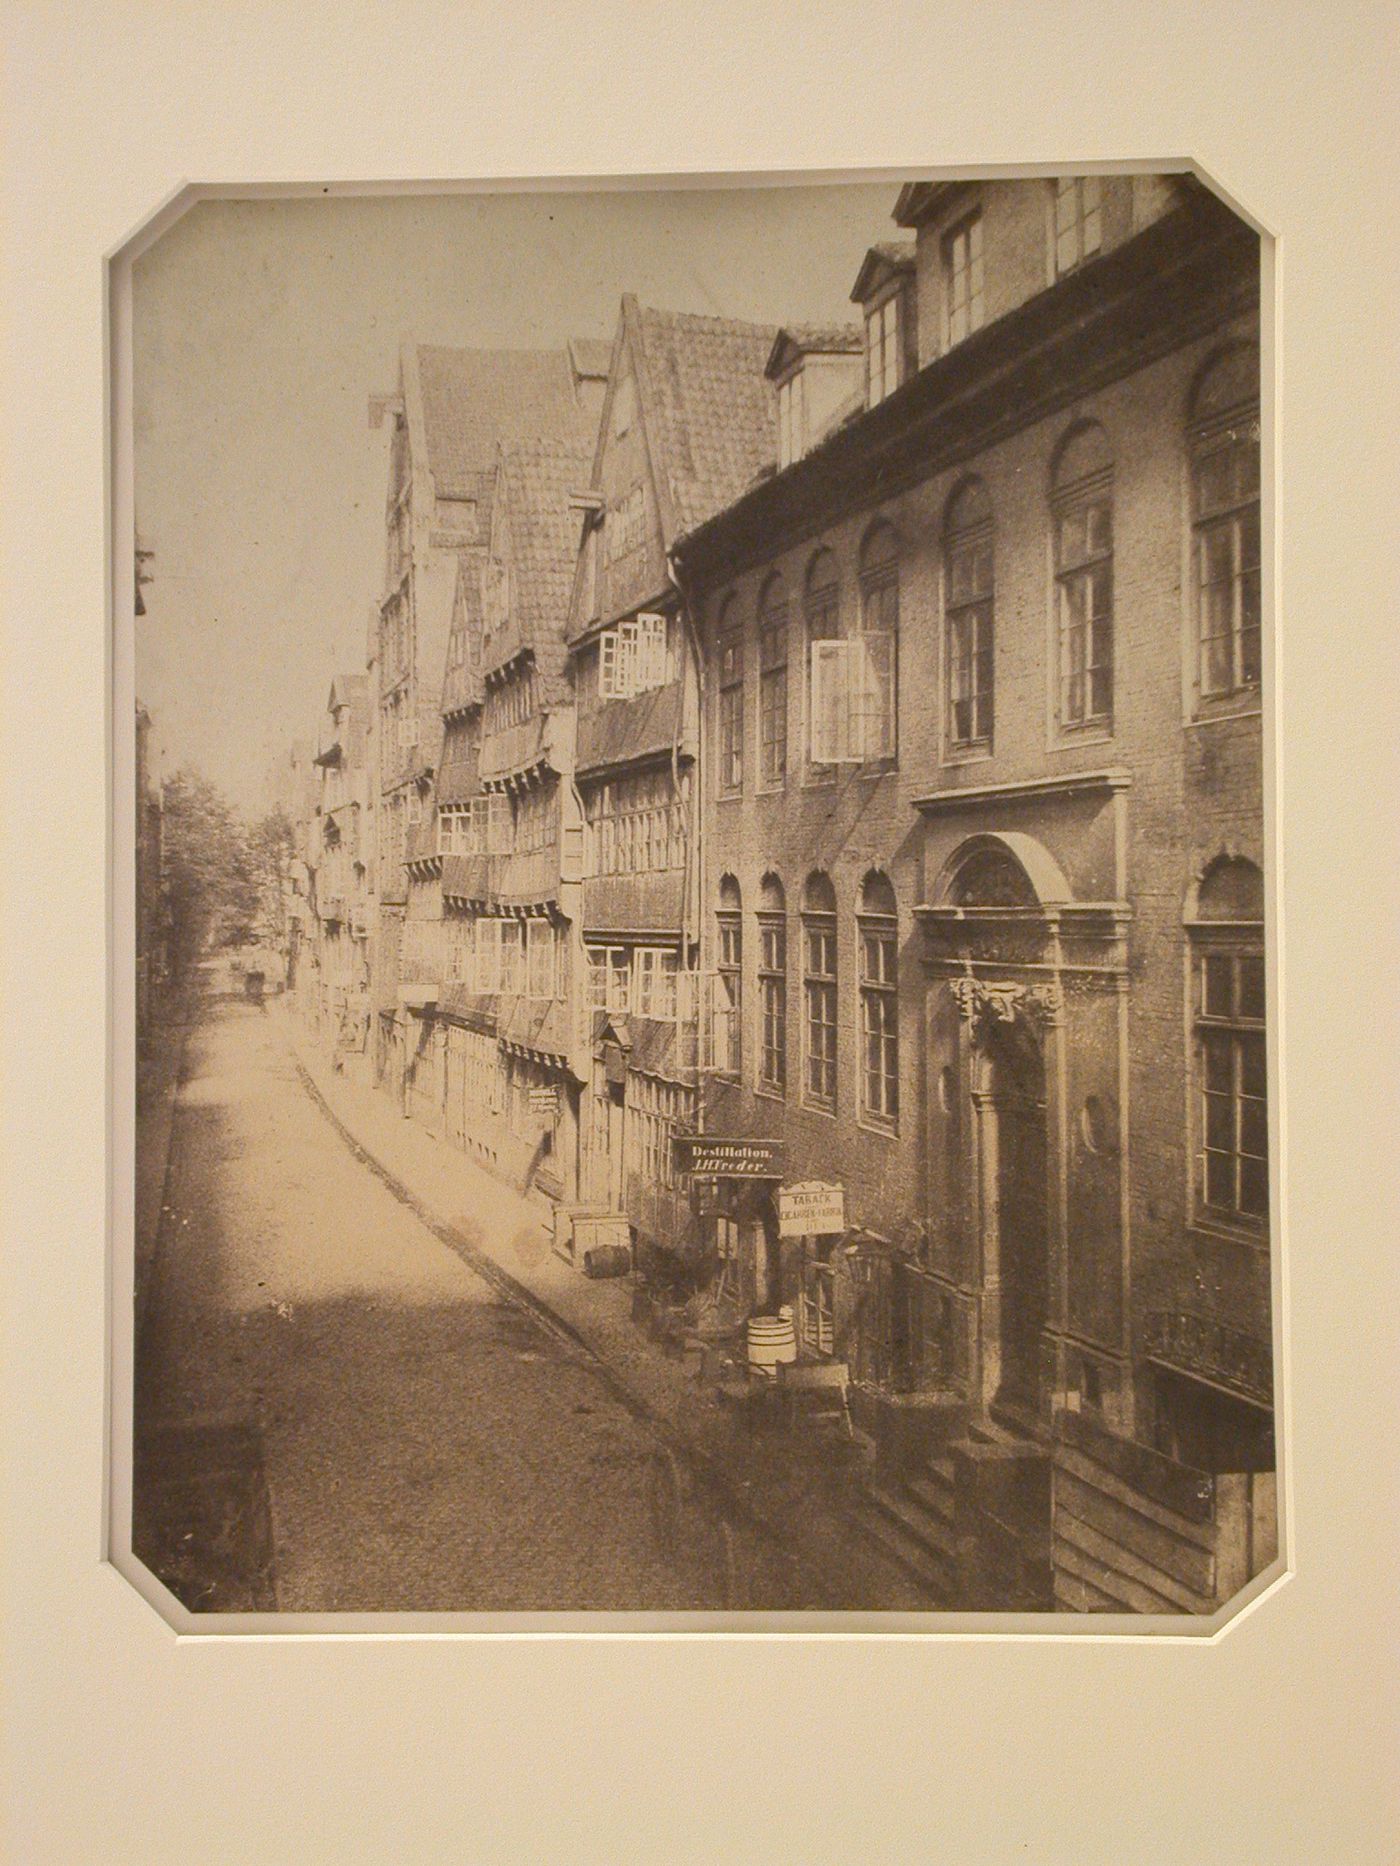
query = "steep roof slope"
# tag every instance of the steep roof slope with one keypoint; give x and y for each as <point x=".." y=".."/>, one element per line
<point x="709" y="409"/>
<point x="475" y="399"/>
<point x="541" y="536"/>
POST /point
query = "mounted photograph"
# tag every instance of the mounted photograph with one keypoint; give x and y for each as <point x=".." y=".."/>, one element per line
<point x="696" y="1034"/>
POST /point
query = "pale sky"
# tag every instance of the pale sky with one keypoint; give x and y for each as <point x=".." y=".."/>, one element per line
<point x="260" y="329"/>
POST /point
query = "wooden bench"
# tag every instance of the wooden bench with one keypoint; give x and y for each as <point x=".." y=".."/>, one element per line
<point x="818" y="1390"/>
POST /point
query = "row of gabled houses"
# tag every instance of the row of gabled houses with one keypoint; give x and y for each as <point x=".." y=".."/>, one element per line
<point x="801" y="814"/>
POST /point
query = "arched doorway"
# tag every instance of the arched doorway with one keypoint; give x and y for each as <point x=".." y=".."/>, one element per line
<point x="1010" y="1109"/>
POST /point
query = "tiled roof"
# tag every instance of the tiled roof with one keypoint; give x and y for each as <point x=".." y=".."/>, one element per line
<point x="475" y="399"/>
<point x="833" y="339"/>
<point x="541" y="535"/>
<point x="709" y="408"/>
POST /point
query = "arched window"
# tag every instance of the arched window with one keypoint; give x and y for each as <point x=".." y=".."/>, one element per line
<point x="1082" y="511"/>
<point x="772" y="985"/>
<point x="877" y="929"/>
<point x="1225" y="522"/>
<point x="729" y="725"/>
<point x="772" y="683"/>
<point x="968" y="616"/>
<point x="1232" y="1125"/>
<point x="821" y="608"/>
<point x="729" y="966"/>
<point x="819" y="982"/>
<point x="876" y="687"/>
<point x="992" y="877"/>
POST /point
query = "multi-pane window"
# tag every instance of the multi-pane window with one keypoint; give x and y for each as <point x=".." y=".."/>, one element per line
<point x="968" y="608"/>
<point x="500" y="823"/>
<point x="772" y="684"/>
<point x="1225" y="515"/>
<point x="461" y="950"/>
<point x="1227" y="956"/>
<point x="488" y="954"/>
<point x="819" y="992"/>
<point x="879" y="635"/>
<point x="642" y="981"/>
<point x="634" y="657"/>
<point x="730" y="970"/>
<point x="772" y="994"/>
<point x="512" y="957"/>
<point x="882" y="342"/>
<point x="792" y="419"/>
<point x="656" y="1112"/>
<point x="822" y="615"/>
<point x="731" y="712"/>
<point x="962" y="279"/>
<point x="1078" y="220"/>
<point x="638" y="824"/>
<point x="542" y="964"/>
<point x="1083" y="520"/>
<point x="511" y="701"/>
<point x="878" y="935"/>
<point x="536" y="818"/>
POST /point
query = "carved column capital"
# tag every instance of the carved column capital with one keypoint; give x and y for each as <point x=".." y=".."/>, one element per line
<point x="984" y="1001"/>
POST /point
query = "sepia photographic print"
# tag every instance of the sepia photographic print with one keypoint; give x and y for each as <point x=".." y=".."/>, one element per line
<point x="701" y="1002"/>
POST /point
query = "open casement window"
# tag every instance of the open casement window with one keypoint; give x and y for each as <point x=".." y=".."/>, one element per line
<point x="822" y="615"/>
<point x="632" y="658"/>
<point x="1227" y="963"/>
<point x="854" y="681"/>
<point x="968" y="608"/>
<point x="1082" y="507"/>
<point x="1225" y="523"/>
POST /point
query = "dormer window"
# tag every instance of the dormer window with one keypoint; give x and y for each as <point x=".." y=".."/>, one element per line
<point x="883" y="344"/>
<point x="962" y="279"/>
<point x="792" y="419"/>
<point x="1078" y="220"/>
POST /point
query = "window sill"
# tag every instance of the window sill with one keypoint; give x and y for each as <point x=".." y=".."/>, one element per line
<point x="869" y="1125"/>
<point x="1070" y="738"/>
<point x="1244" y="705"/>
<point x="1251" y="1232"/>
<point x="769" y="1092"/>
<point x="981" y="754"/>
<point x="827" y="1108"/>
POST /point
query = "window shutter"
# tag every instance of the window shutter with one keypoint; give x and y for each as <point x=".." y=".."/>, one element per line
<point x="607" y="665"/>
<point x="872" y="689"/>
<point x="628" y="649"/>
<point x="835" y="703"/>
<point x="651" y="659"/>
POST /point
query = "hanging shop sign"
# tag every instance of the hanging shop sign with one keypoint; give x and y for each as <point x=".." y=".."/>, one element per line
<point x="713" y="1158"/>
<point x="811" y="1209"/>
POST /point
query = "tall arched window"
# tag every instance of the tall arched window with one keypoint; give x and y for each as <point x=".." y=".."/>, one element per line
<point x="874" y="734"/>
<point x="877" y="929"/>
<point x="1226" y="931"/>
<point x="968" y="616"/>
<point x="772" y="683"/>
<point x="822" y="616"/>
<point x="1225" y="522"/>
<point x="772" y="985"/>
<point x="819" y="984"/>
<point x="729" y="724"/>
<point x="729" y="965"/>
<point x="1082" y="510"/>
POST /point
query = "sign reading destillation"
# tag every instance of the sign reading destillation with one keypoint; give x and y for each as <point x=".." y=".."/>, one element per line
<point x="713" y="1158"/>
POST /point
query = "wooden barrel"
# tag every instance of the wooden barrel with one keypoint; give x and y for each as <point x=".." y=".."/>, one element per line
<point x="607" y="1260"/>
<point x="772" y="1340"/>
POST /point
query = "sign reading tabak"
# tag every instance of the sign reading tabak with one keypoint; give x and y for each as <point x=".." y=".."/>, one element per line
<point x="710" y="1157"/>
<point x="811" y="1209"/>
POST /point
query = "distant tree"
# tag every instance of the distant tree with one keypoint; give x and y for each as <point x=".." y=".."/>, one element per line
<point x="207" y="885"/>
<point x="270" y="850"/>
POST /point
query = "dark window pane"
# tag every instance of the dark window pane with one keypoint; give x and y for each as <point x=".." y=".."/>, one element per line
<point x="1251" y="985"/>
<point x="1254" y="1188"/>
<point x="1217" y="972"/>
<point x="1254" y="1128"/>
<point x="1220" y="1122"/>
<point x="1216" y="1050"/>
<point x="1253" y="1073"/>
<point x="1220" y="1181"/>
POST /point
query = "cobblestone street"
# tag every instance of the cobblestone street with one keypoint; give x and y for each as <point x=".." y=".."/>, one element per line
<point x="425" y="1446"/>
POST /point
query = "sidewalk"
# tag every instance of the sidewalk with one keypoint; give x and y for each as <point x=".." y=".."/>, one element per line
<point x="787" y="1500"/>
